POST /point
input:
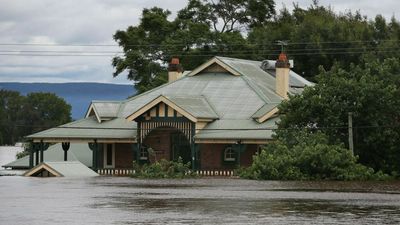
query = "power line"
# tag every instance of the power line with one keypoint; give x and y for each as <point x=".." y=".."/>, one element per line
<point x="234" y="51"/>
<point x="206" y="55"/>
<point x="186" y="44"/>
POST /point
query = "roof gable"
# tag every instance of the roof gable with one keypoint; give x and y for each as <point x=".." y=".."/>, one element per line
<point x="194" y="108"/>
<point x="103" y="110"/>
<point x="214" y="65"/>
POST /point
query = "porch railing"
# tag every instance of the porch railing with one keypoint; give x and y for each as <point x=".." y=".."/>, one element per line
<point x="203" y="173"/>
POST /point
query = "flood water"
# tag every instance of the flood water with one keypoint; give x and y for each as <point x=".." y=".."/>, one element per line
<point x="119" y="200"/>
<point x="7" y="155"/>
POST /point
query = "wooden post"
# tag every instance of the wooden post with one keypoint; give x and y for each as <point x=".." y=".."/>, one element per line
<point x="350" y="125"/>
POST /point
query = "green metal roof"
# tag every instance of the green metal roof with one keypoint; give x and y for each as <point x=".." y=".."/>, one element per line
<point x="230" y="99"/>
<point x="68" y="169"/>
<point x="264" y="110"/>
<point x="197" y="106"/>
<point x="215" y="130"/>
<point x="90" y="128"/>
<point x="77" y="152"/>
<point x="106" y="109"/>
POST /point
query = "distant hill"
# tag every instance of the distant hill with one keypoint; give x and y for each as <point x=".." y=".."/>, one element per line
<point x="78" y="95"/>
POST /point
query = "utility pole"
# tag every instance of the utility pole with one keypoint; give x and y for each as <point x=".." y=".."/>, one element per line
<point x="350" y="124"/>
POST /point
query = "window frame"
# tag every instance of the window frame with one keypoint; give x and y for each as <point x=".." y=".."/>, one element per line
<point x="143" y="153"/>
<point x="232" y="154"/>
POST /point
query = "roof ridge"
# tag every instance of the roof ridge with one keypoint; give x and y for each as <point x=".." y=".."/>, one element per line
<point x="111" y="101"/>
<point x="255" y="89"/>
<point x="211" y="106"/>
<point x="237" y="59"/>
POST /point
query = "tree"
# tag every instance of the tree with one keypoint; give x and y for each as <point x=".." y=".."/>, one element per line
<point x="45" y="110"/>
<point x="11" y="111"/>
<point x="23" y="115"/>
<point x="370" y="91"/>
<point x="200" y="30"/>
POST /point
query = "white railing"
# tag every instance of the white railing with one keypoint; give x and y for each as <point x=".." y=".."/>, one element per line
<point x="211" y="173"/>
<point x="116" y="172"/>
<point x="204" y="173"/>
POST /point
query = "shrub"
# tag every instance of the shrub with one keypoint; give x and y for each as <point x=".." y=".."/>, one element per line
<point x="163" y="169"/>
<point x="307" y="156"/>
<point x="22" y="154"/>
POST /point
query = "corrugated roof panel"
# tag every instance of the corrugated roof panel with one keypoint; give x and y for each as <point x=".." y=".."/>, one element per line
<point x="264" y="110"/>
<point x="256" y="130"/>
<point x="106" y="109"/>
<point x="89" y="128"/>
<point x="71" y="169"/>
<point x="197" y="106"/>
<point x="230" y="97"/>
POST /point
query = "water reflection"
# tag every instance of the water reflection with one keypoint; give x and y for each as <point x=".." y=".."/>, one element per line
<point x="196" y="201"/>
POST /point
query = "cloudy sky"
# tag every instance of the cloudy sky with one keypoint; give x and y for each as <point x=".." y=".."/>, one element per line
<point x="93" y="22"/>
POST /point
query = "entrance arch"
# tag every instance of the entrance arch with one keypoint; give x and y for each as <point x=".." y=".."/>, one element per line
<point x="167" y="143"/>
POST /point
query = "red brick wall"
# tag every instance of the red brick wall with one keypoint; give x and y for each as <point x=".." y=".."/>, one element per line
<point x="160" y="142"/>
<point x="211" y="156"/>
<point x="123" y="155"/>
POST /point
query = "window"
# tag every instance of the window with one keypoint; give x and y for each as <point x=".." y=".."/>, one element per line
<point x="143" y="153"/>
<point x="229" y="154"/>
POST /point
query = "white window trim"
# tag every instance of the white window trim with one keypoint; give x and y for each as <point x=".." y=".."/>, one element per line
<point x="140" y="154"/>
<point x="105" y="156"/>
<point x="229" y="159"/>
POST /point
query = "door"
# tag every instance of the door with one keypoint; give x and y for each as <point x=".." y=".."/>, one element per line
<point x="109" y="156"/>
<point x="180" y="147"/>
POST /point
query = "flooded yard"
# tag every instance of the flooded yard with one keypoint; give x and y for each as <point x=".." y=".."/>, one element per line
<point x="118" y="200"/>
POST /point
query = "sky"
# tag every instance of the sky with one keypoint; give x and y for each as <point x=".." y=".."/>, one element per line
<point x="93" y="22"/>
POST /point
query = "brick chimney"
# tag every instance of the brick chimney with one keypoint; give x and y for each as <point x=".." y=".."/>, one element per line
<point x="282" y="67"/>
<point x="174" y="70"/>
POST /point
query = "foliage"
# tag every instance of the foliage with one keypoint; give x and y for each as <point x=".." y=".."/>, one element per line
<point x="249" y="29"/>
<point x="23" y="115"/>
<point x="200" y="30"/>
<point x="318" y="36"/>
<point x="22" y="154"/>
<point x="163" y="169"/>
<point x="307" y="156"/>
<point x="371" y="92"/>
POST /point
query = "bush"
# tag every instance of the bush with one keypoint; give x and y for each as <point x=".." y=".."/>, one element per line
<point x="163" y="169"/>
<point x="22" y="154"/>
<point x="307" y="156"/>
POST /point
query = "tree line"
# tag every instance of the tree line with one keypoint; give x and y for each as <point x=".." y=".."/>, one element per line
<point x="23" y="115"/>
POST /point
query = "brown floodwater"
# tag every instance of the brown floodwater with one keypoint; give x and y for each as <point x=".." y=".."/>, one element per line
<point x="118" y="200"/>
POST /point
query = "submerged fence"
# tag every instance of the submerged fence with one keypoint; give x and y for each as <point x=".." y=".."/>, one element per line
<point x="128" y="172"/>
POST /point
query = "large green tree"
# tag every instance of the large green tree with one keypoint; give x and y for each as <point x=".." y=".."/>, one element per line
<point x="371" y="92"/>
<point x="200" y="30"/>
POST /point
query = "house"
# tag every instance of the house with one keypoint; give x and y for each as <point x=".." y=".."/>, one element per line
<point x="216" y="117"/>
